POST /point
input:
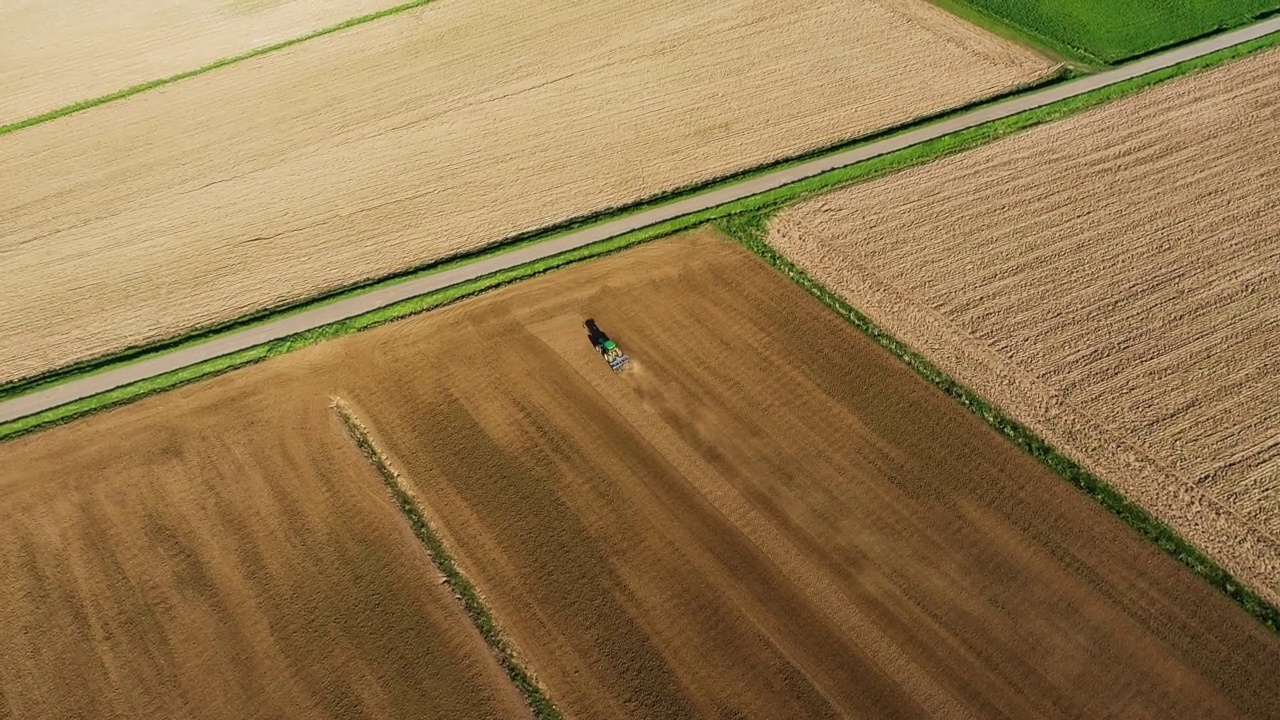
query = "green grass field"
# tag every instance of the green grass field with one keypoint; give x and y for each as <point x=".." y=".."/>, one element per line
<point x="1110" y="31"/>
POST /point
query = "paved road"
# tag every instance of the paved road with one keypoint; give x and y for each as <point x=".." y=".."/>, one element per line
<point x="24" y="405"/>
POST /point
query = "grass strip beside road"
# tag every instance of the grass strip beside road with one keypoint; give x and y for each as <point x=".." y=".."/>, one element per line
<point x="763" y="202"/>
<point x="161" y="82"/>
<point x="463" y="590"/>
<point x="751" y="230"/>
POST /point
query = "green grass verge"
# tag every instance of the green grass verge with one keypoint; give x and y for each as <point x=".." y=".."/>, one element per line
<point x="751" y="230"/>
<point x="1112" y="31"/>
<point x="481" y="618"/>
<point x="800" y="190"/>
<point x="256" y="52"/>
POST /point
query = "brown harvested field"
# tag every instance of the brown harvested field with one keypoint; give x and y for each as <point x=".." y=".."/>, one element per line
<point x="53" y="54"/>
<point x="1112" y="280"/>
<point x="437" y="131"/>
<point x="771" y="518"/>
<point x="223" y="552"/>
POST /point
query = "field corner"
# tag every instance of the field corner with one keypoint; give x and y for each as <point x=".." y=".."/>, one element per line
<point x="751" y="230"/>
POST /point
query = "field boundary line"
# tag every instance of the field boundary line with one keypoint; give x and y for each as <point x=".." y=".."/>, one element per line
<point x="142" y="87"/>
<point x="751" y="231"/>
<point x="464" y="590"/>
<point x="99" y="389"/>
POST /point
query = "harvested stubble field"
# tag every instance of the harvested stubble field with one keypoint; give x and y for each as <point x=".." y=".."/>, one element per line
<point x="222" y="552"/>
<point x="53" y="54"/>
<point x="437" y="131"/>
<point x="1111" y="280"/>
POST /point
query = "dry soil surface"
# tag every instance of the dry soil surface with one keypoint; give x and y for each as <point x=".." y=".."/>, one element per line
<point x="53" y="54"/>
<point x="770" y="517"/>
<point x="437" y="131"/>
<point x="223" y="552"/>
<point x="1113" y="280"/>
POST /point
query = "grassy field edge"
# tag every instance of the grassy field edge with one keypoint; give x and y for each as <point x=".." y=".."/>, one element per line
<point x="248" y="55"/>
<point x="751" y="230"/>
<point x="534" y="696"/>
<point x="858" y="172"/>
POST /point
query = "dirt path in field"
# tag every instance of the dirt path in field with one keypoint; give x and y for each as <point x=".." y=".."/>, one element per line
<point x="1112" y="280"/>
<point x="85" y="387"/>
<point x="53" y="54"/>
<point x="223" y="555"/>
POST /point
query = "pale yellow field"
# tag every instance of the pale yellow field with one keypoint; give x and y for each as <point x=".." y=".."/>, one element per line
<point x="53" y="54"/>
<point x="437" y="131"/>
<point x="1113" y="280"/>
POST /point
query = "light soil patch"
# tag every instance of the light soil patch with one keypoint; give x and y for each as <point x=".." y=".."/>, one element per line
<point x="441" y="130"/>
<point x="1111" y="280"/>
<point x="771" y="517"/>
<point x="53" y="54"/>
<point x="223" y="552"/>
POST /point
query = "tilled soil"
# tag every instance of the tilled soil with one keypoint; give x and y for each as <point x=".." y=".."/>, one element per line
<point x="438" y="131"/>
<point x="1112" y="280"/>
<point x="223" y="553"/>
<point x="769" y="517"/>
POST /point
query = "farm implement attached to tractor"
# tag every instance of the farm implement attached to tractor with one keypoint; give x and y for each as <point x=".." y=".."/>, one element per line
<point x="607" y="348"/>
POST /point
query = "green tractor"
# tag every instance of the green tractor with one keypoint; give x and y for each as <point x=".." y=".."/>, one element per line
<point x="607" y="348"/>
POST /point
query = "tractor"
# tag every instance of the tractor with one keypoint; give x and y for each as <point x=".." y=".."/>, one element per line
<point x="607" y="348"/>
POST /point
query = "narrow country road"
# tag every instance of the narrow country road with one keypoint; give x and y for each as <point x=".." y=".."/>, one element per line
<point x="35" y="402"/>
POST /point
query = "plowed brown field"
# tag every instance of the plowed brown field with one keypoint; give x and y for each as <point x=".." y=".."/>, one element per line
<point x="437" y="131"/>
<point x="770" y="518"/>
<point x="222" y="552"/>
<point x="1113" y="280"/>
<point x="53" y="54"/>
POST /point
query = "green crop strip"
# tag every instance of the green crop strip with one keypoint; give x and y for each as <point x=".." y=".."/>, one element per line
<point x="1112" y="31"/>
<point x="974" y="13"/>
<point x="751" y="230"/>
<point x="773" y="199"/>
<point x="465" y="592"/>
<point x="161" y="82"/>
